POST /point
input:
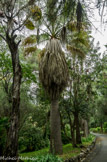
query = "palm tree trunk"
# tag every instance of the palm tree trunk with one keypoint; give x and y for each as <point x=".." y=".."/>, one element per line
<point x="55" y="138"/>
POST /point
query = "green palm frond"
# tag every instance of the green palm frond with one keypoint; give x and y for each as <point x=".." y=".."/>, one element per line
<point x="36" y="13"/>
<point x="81" y="41"/>
<point x="29" y="40"/>
<point x="29" y="25"/>
<point x="76" y="51"/>
<point x="29" y="50"/>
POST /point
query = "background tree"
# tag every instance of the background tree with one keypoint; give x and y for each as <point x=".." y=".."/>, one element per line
<point x="11" y="22"/>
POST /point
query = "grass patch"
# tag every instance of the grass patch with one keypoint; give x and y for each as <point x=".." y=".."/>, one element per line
<point x="69" y="151"/>
<point x="35" y="153"/>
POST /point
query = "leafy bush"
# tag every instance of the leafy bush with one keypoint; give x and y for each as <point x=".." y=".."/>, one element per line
<point x="32" y="139"/>
<point x="90" y="138"/>
<point x="105" y="124"/>
<point x="96" y="130"/>
<point x="105" y="127"/>
<point x="47" y="158"/>
<point x="65" y="139"/>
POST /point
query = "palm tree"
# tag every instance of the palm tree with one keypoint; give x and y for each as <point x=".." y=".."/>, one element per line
<point x="53" y="72"/>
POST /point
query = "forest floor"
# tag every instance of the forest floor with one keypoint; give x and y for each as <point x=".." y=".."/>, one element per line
<point x="99" y="153"/>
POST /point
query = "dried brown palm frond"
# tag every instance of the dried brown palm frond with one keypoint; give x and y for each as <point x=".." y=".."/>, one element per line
<point x="41" y="54"/>
<point x="53" y="70"/>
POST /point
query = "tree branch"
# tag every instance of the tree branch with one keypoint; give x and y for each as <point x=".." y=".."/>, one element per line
<point x="3" y="37"/>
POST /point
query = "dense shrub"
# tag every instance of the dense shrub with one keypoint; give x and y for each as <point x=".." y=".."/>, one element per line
<point x="65" y="139"/>
<point x="88" y="139"/>
<point x="105" y="127"/>
<point x="96" y="130"/>
<point x="32" y="139"/>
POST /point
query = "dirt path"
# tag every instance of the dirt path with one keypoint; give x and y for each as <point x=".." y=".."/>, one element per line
<point x="99" y="153"/>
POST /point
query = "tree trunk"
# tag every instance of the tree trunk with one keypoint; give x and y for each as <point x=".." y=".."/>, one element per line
<point x="72" y="128"/>
<point x="73" y="136"/>
<point x="78" y="135"/>
<point x="84" y="127"/>
<point x="12" y="140"/>
<point x="101" y="125"/>
<point x="86" y="130"/>
<point x="55" y="137"/>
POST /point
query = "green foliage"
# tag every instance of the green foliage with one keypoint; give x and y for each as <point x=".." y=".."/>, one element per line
<point x="96" y="130"/>
<point x="29" y="40"/>
<point x="5" y="64"/>
<point x="89" y="139"/>
<point x="65" y="139"/>
<point x="29" y="24"/>
<point x="3" y="125"/>
<point x="34" y="133"/>
<point x="28" y="75"/>
<point x="36" y="13"/>
<point x="68" y="151"/>
<point x="32" y="139"/>
<point x="105" y="127"/>
<point x="49" y="157"/>
<point x="30" y="50"/>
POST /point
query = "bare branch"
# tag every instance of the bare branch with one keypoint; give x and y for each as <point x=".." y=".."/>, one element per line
<point x="18" y="42"/>
<point x="2" y="37"/>
<point x="20" y="26"/>
<point x="22" y="8"/>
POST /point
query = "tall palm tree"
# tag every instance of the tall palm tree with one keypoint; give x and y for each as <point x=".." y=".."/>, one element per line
<point x="53" y="72"/>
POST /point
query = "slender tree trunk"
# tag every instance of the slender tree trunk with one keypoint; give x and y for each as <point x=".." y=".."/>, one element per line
<point x="72" y="128"/>
<point x="55" y="138"/>
<point x="78" y="135"/>
<point x="12" y="140"/>
<point x="101" y="125"/>
<point x="86" y="130"/>
<point x="73" y="136"/>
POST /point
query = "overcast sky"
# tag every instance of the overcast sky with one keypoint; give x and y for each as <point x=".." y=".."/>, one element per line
<point x="99" y="30"/>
